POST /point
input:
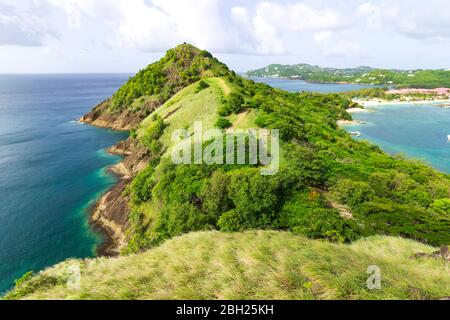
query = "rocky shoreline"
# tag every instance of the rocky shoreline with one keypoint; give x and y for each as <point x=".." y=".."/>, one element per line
<point x="109" y="215"/>
<point x="125" y="121"/>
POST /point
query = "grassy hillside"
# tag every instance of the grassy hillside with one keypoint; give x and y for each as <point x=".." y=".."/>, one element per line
<point x="365" y="75"/>
<point x="190" y="105"/>
<point x="329" y="185"/>
<point x="251" y="265"/>
<point x="154" y="85"/>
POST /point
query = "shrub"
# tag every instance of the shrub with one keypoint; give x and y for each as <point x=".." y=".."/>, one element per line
<point x="235" y="103"/>
<point x="352" y="192"/>
<point x="142" y="185"/>
<point x="223" y="123"/>
<point x="441" y="206"/>
<point x="324" y="223"/>
<point x="133" y="134"/>
<point x="202" y="85"/>
<point x="152" y="133"/>
<point x="215" y="194"/>
<point x="230" y="221"/>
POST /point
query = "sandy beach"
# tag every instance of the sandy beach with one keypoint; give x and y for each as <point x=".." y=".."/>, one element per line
<point x="349" y="122"/>
<point x="357" y="110"/>
<point x="378" y="102"/>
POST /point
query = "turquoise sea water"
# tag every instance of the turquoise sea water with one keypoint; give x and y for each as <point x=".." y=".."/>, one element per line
<point x="417" y="131"/>
<point x="52" y="169"/>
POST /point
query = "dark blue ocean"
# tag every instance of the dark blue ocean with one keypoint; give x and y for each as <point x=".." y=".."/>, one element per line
<point x="52" y="168"/>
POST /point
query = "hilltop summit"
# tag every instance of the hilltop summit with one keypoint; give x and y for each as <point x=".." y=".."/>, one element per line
<point x="154" y="85"/>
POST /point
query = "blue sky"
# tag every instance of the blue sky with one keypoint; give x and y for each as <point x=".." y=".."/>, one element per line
<point x="66" y="36"/>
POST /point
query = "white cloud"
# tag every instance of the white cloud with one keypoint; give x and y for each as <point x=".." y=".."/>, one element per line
<point x="344" y="49"/>
<point x="155" y="25"/>
<point x="373" y="14"/>
<point x="341" y="48"/>
<point x="19" y="26"/>
<point x="322" y="37"/>
<point x="420" y="20"/>
<point x="299" y="17"/>
<point x="205" y="23"/>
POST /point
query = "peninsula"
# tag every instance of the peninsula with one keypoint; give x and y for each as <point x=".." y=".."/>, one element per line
<point x="198" y="231"/>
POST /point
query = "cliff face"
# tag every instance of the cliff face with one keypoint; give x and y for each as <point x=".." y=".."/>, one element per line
<point x="124" y="121"/>
<point x="110" y="214"/>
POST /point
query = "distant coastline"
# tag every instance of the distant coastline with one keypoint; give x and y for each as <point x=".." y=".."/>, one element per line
<point x="443" y="103"/>
<point x="313" y="82"/>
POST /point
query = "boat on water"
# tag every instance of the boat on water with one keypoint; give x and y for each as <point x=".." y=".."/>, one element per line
<point x="448" y="137"/>
<point x="357" y="134"/>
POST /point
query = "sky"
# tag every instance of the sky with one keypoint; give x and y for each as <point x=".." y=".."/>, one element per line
<point x="123" y="36"/>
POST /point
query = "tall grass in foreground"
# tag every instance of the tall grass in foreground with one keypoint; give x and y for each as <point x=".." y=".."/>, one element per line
<point x="251" y="265"/>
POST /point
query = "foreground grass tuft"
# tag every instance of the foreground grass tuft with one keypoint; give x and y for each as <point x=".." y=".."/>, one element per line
<point x="250" y="265"/>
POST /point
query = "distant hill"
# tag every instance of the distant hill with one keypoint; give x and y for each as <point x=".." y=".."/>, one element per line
<point x="250" y="265"/>
<point x="363" y="75"/>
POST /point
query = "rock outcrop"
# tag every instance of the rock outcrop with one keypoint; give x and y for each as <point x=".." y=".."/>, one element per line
<point x="126" y="120"/>
<point x="443" y="253"/>
<point x="110" y="213"/>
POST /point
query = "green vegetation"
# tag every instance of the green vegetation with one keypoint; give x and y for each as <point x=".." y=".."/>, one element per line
<point x="363" y="75"/>
<point x="153" y="86"/>
<point x="188" y="106"/>
<point x="382" y="94"/>
<point x="384" y="195"/>
<point x="251" y="265"/>
<point x="223" y="123"/>
<point x="202" y="85"/>
<point x="329" y="186"/>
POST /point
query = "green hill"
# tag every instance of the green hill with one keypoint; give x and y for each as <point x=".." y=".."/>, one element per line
<point x="153" y="86"/>
<point x="363" y="75"/>
<point x="324" y="174"/>
<point x="329" y="186"/>
<point x="250" y="265"/>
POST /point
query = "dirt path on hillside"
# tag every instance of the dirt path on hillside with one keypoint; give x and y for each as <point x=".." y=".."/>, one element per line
<point x="239" y="119"/>
<point x="224" y="86"/>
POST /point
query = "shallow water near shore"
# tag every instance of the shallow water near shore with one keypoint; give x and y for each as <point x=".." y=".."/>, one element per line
<point x="418" y="131"/>
<point x="52" y="169"/>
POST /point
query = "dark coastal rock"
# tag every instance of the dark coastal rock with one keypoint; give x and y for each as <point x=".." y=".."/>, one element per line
<point x="443" y="253"/>
<point x="102" y="117"/>
<point x="110" y="213"/>
<point x="110" y="216"/>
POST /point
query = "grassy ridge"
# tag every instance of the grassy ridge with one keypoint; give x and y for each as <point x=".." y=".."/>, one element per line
<point x="322" y="169"/>
<point x="188" y="106"/>
<point x="251" y="265"/>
